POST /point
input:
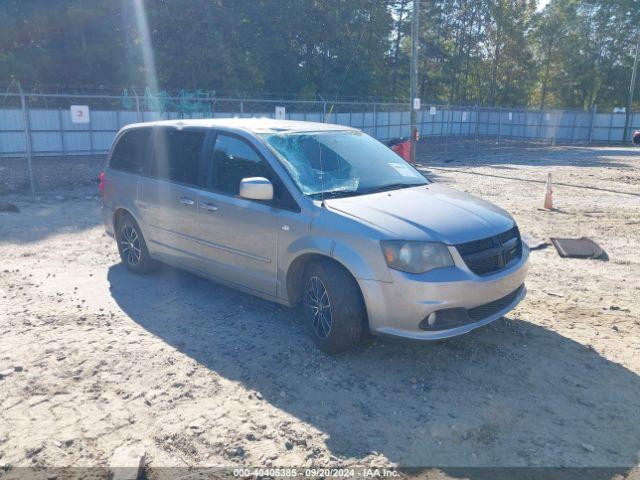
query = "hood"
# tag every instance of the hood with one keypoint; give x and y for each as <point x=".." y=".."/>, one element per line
<point x="429" y="212"/>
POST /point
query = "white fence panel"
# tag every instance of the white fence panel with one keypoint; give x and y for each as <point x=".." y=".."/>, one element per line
<point x="53" y="133"/>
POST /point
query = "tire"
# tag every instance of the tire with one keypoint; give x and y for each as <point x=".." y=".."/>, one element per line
<point x="326" y="283"/>
<point x="132" y="247"/>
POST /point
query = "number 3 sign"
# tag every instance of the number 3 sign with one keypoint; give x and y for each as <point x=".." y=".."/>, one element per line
<point x="80" y="114"/>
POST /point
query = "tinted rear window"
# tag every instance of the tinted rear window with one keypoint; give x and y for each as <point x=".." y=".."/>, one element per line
<point x="176" y="155"/>
<point x="129" y="152"/>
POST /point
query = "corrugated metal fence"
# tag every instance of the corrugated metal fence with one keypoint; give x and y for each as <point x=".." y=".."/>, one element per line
<point x="43" y="123"/>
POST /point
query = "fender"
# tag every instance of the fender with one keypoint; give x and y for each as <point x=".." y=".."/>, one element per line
<point x="356" y="264"/>
<point x="350" y="258"/>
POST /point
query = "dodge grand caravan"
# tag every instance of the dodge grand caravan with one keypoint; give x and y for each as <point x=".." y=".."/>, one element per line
<point x="312" y="215"/>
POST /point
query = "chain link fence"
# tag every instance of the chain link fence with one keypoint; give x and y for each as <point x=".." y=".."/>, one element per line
<point x="42" y="125"/>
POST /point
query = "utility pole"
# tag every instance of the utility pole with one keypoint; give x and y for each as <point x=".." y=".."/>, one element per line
<point x="27" y="139"/>
<point x="414" y="104"/>
<point x="632" y="87"/>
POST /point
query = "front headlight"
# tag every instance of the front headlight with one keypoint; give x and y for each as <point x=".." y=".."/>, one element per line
<point x="415" y="257"/>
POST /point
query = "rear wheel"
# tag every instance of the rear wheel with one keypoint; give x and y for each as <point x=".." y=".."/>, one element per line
<point x="333" y="307"/>
<point x="132" y="247"/>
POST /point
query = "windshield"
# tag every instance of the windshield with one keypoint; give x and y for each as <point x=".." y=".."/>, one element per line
<point x="341" y="163"/>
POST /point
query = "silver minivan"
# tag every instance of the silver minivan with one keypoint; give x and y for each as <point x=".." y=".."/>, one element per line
<point x="314" y="215"/>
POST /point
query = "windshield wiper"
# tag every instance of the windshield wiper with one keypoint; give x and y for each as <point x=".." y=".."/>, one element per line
<point x="354" y="193"/>
<point x="390" y="186"/>
<point x="335" y="194"/>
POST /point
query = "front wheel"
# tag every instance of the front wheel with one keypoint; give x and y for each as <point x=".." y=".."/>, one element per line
<point x="132" y="247"/>
<point x="333" y="308"/>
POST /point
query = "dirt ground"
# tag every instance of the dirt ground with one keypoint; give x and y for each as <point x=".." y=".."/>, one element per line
<point x="196" y="374"/>
<point x="49" y="173"/>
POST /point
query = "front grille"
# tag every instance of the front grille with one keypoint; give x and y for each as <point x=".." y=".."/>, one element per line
<point x="491" y="254"/>
<point x="491" y="308"/>
<point x="476" y="246"/>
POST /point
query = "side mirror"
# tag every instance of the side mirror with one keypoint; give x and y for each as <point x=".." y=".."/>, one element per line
<point x="256" y="188"/>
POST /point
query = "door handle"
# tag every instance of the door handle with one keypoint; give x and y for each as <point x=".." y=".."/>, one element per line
<point x="209" y="206"/>
<point x="187" y="201"/>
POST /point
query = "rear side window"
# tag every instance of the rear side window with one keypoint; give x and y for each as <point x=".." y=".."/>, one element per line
<point x="176" y="155"/>
<point x="129" y="152"/>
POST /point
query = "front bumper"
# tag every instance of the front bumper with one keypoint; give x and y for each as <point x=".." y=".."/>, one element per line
<point x="396" y="308"/>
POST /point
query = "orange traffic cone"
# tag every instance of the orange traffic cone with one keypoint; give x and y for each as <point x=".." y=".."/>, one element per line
<point x="548" y="196"/>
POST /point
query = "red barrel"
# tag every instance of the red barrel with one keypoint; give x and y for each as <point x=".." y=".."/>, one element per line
<point x="403" y="149"/>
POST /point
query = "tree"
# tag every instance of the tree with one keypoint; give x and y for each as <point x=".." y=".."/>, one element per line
<point x="575" y="53"/>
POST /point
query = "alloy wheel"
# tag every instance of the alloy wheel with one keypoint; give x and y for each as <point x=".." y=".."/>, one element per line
<point x="130" y="245"/>
<point x="317" y="301"/>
